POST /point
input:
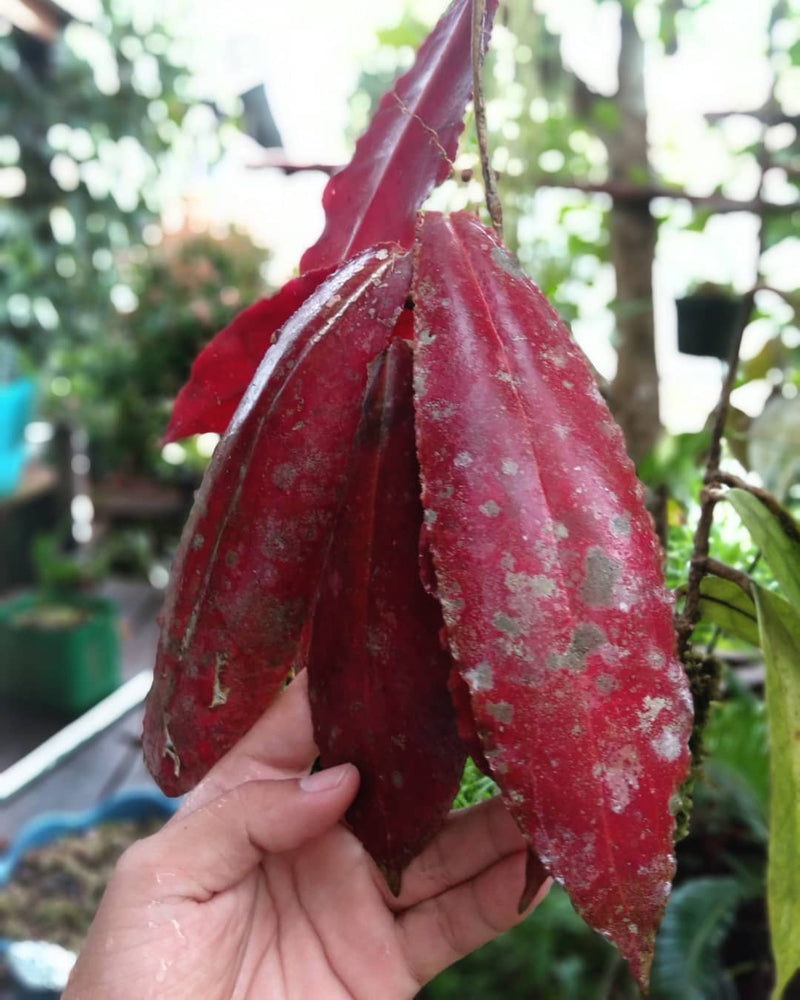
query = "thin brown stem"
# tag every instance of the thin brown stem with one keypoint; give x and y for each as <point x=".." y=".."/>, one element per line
<point x="727" y="572"/>
<point x="700" y="563"/>
<point x="784" y="518"/>
<point x="687" y="621"/>
<point x="489" y="181"/>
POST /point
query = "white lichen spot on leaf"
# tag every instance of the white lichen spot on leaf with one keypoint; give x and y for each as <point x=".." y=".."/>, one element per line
<point x="668" y="745"/>
<point x="621" y="525"/>
<point x="586" y="638"/>
<point x="525" y="584"/>
<point x="480" y="677"/>
<point x="506" y="624"/>
<point x="620" y="776"/>
<point x="652" y="707"/>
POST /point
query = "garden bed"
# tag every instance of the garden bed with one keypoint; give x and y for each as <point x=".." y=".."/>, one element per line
<point x="53" y="877"/>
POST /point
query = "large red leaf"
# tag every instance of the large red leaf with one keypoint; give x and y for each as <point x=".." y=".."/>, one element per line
<point x="459" y="692"/>
<point x="549" y="576"/>
<point x="251" y="553"/>
<point x="407" y="149"/>
<point x="223" y="369"/>
<point x="377" y="671"/>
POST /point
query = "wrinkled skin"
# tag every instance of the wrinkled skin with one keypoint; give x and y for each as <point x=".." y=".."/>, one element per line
<point x="254" y="890"/>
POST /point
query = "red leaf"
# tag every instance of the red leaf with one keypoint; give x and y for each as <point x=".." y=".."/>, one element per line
<point x="252" y="550"/>
<point x="223" y="369"/>
<point x="550" y="582"/>
<point x="407" y="149"/>
<point x="377" y="671"/>
<point x="459" y="692"/>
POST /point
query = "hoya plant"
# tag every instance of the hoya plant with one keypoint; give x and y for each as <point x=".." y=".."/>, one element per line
<point x="421" y="498"/>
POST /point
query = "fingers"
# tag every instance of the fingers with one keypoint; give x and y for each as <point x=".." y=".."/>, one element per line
<point x="279" y="745"/>
<point x="472" y="840"/>
<point x="213" y="848"/>
<point x="441" y="930"/>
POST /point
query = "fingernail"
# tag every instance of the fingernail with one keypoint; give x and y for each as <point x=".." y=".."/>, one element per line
<point x="324" y="781"/>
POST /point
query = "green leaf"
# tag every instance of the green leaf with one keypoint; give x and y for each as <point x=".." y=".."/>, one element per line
<point x="687" y="963"/>
<point x="474" y="787"/>
<point x="724" y="603"/>
<point x="779" y="624"/>
<point x="699" y="221"/>
<point x="781" y="552"/>
<point x="736" y="768"/>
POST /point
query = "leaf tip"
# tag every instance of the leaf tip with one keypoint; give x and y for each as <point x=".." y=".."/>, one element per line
<point x="535" y="878"/>
<point x="394" y="878"/>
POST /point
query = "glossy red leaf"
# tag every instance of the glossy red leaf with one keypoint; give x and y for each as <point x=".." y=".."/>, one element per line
<point x="549" y="577"/>
<point x="407" y="149"/>
<point x="377" y="670"/>
<point x="459" y="692"/>
<point x="223" y="369"/>
<point x="251" y="553"/>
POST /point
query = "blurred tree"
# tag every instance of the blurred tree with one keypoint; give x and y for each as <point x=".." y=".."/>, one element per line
<point x="88" y="122"/>
<point x="188" y="289"/>
<point x="592" y="192"/>
<point x="601" y="144"/>
<point x="584" y="187"/>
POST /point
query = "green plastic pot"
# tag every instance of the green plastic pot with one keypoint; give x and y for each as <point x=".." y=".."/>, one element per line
<point x="59" y="653"/>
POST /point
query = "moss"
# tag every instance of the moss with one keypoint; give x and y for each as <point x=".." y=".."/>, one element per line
<point x="705" y="681"/>
<point x="55" y="890"/>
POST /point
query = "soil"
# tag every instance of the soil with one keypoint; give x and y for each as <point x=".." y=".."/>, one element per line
<point x="55" y="890"/>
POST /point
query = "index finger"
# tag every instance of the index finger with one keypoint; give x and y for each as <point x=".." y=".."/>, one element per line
<point x="279" y="745"/>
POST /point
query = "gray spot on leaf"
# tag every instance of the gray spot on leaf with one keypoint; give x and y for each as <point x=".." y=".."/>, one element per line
<point x="502" y="712"/>
<point x="586" y="638"/>
<point x="600" y="578"/>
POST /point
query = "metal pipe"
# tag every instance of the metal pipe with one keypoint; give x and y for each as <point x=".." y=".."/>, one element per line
<point x="67" y="740"/>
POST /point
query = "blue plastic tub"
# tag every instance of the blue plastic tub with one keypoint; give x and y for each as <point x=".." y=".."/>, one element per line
<point x="16" y="407"/>
<point x="136" y="804"/>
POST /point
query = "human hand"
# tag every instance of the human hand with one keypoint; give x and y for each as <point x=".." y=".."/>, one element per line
<point x="254" y="889"/>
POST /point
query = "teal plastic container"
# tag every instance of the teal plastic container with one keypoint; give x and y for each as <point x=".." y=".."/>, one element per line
<point x="58" y="653"/>
<point x="16" y="407"/>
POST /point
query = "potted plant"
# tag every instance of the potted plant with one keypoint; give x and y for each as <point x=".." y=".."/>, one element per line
<point x="16" y="402"/>
<point x="708" y="318"/>
<point x="53" y="875"/>
<point x="59" y="646"/>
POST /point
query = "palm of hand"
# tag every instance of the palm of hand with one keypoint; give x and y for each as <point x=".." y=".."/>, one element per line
<point x="310" y="923"/>
<point x="254" y="890"/>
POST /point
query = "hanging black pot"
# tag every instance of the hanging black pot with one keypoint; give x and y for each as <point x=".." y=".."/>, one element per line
<point x="707" y="322"/>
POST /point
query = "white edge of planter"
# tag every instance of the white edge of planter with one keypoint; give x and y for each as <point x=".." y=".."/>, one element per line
<point x="45" y="757"/>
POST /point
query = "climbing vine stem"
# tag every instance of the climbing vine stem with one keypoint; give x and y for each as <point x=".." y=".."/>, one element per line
<point x="489" y="181"/>
<point x="699" y="565"/>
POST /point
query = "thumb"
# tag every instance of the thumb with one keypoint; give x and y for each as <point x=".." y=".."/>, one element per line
<point x="204" y="852"/>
